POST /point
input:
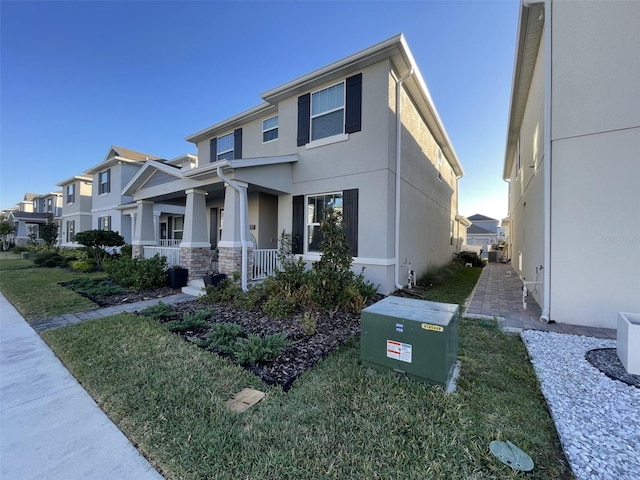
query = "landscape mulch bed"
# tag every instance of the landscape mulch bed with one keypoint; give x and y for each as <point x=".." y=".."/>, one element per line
<point x="303" y="353"/>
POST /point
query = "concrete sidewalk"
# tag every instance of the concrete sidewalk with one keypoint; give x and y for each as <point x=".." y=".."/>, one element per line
<point x="50" y="428"/>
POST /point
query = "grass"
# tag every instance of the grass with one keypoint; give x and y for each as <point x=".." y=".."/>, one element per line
<point x="35" y="291"/>
<point x="338" y="421"/>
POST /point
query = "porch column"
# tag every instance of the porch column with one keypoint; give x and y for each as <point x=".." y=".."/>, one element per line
<point x="22" y="233"/>
<point x="143" y="233"/>
<point x="230" y="246"/>
<point x="195" y="248"/>
<point x="156" y="226"/>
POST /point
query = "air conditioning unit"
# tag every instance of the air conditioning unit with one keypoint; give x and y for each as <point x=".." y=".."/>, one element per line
<point x="414" y="337"/>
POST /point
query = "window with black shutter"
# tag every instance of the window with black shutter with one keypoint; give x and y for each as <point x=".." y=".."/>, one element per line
<point x="213" y="150"/>
<point x="304" y="119"/>
<point x="237" y="143"/>
<point x="297" y="226"/>
<point x="353" y="121"/>
<point x="350" y="218"/>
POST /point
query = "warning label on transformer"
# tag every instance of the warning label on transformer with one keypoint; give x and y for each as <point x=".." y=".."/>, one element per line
<point x="399" y="351"/>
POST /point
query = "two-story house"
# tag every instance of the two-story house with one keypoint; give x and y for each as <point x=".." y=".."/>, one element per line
<point x="31" y="212"/>
<point x="361" y="135"/>
<point x="108" y="178"/>
<point x="76" y="208"/>
<point x="572" y="159"/>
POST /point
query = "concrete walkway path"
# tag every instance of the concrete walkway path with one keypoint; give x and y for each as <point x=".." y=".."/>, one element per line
<point x="50" y="428"/>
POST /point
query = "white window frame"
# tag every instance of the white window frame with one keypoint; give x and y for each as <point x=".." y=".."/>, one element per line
<point x="439" y="163"/>
<point x="232" y="149"/>
<point x="327" y="112"/>
<point x="308" y="224"/>
<point x="270" y="129"/>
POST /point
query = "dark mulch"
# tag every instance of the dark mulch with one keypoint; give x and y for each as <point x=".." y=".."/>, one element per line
<point x="606" y="360"/>
<point x="133" y="297"/>
<point x="305" y="351"/>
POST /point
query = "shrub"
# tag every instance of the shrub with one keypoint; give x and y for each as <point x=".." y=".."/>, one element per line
<point x="126" y="251"/>
<point x="191" y="322"/>
<point x="309" y="323"/>
<point x="332" y="273"/>
<point x="95" y="287"/>
<point x="254" y="349"/>
<point x="82" y="265"/>
<point x="222" y="337"/>
<point x="279" y="307"/>
<point x="225" y="291"/>
<point x="97" y="241"/>
<point x="291" y="272"/>
<point x="158" y="311"/>
<point x="470" y="257"/>
<point x="138" y="273"/>
<point x="49" y="260"/>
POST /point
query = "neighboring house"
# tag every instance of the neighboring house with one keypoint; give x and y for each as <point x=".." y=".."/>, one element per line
<point x="30" y="213"/>
<point x="108" y="179"/>
<point x="573" y="159"/>
<point x="76" y="208"/>
<point x="332" y="138"/>
<point x="485" y="233"/>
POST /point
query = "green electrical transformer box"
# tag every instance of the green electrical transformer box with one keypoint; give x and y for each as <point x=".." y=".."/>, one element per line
<point x="415" y="337"/>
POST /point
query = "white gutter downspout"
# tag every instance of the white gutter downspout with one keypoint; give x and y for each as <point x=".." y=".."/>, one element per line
<point x="243" y="222"/>
<point x="546" y="272"/>
<point x="399" y="83"/>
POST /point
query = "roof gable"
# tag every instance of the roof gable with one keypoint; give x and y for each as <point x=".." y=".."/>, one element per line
<point x="160" y="173"/>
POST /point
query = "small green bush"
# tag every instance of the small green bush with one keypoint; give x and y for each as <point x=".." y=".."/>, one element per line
<point x="192" y="322"/>
<point x="254" y="349"/>
<point x="138" y="273"/>
<point x="225" y="291"/>
<point x="158" y="311"/>
<point x="95" y="287"/>
<point x="222" y="337"/>
<point x="470" y="257"/>
<point x="279" y="307"/>
<point x="255" y="296"/>
<point x="49" y="260"/>
<point x="309" y="324"/>
<point x="82" y="265"/>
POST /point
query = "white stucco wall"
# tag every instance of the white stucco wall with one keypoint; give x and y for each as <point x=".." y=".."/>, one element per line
<point x="596" y="162"/>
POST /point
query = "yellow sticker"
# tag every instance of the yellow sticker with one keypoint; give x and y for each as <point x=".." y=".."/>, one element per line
<point x="435" y="328"/>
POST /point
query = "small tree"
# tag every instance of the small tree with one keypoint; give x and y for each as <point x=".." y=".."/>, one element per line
<point x="6" y="229"/>
<point x="97" y="241"/>
<point x="49" y="231"/>
<point x="332" y="274"/>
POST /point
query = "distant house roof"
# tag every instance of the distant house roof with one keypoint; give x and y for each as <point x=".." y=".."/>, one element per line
<point x="475" y="229"/>
<point x="132" y="154"/>
<point x="28" y="216"/>
<point x="28" y="197"/>
<point x="478" y="217"/>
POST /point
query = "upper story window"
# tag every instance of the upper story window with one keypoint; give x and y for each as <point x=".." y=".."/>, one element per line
<point x="518" y="161"/>
<point x="439" y="164"/>
<point x="35" y="205"/>
<point x="327" y="112"/>
<point x="270" y="129"/>
<point x="71" y="193"/>
<point x="49" y="205"/>
<point x="104" y="181"/>
<point x="332" y="111"/>
<point x="226" y="147"/>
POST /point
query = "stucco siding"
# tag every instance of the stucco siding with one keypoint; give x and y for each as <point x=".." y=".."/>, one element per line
<point x="596" y="67"/>
<point x="426" y="195"/>
<point x="595" y="236"/>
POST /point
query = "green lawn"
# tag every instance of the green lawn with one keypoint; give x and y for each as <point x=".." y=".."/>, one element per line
<point x="338" y="421"/>
<point x="35" y="291"/>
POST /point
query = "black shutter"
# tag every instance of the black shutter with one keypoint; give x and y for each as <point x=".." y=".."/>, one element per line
<point x="108" y="180"/>
<point x="304" y="119"/>
<point x="350" y="218"/>
<point x="237" y="143"/>
<point x="297" y="226"/>
<point x="353" y="116"/>
<point x="170" y="228"/>
<point x="213" y="150"/>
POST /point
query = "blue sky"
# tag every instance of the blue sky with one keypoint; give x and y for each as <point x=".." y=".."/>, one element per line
<point x="80" y="76"/>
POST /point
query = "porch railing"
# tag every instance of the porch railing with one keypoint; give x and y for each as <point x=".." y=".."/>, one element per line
<point x="172" y="254"/>
<point x="265" y="261"/>
<point x="172" y="242"/>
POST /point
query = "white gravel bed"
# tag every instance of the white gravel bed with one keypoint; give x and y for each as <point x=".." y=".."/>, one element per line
<point x="597" y="418"/>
